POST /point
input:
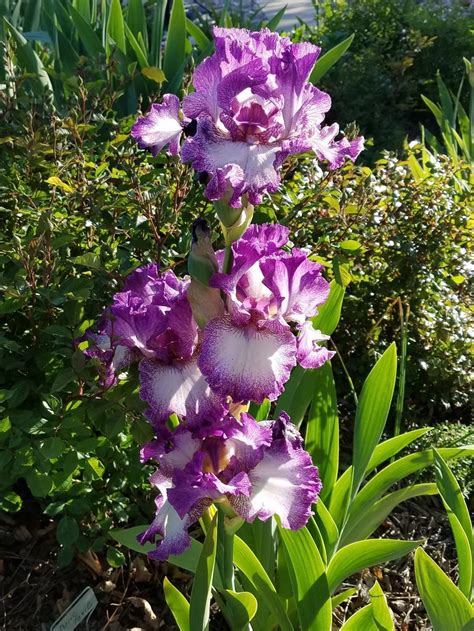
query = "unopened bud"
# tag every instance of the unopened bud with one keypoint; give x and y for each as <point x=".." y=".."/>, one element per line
<point x="206" y="302"/>
<point x="234" y="221"/>
<point x="202" y="262"/>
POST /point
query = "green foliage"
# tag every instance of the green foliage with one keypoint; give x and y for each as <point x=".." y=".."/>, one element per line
<point x="104" y="48"/>
<point x="455" y="125"/>
<point x="446" y="605"/>
<point x="398" y="46"/>
<point x="79" y="209"/>
<point x="335" y="545"/>
<point x="413" y="226"/>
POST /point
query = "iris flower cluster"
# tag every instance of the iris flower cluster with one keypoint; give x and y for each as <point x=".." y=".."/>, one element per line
<point x="251" y="108"/>
<point x="208" y="345"/>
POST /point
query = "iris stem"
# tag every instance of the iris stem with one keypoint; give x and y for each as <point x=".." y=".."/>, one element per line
<point x="228" y="259"/>
<point x="225" y="551"/>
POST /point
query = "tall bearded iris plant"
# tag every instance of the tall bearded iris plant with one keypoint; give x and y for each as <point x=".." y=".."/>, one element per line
<point x="230" y="334"/>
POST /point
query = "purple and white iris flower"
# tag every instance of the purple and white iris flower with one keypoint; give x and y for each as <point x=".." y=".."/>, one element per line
<point x="271" y="294"/>
<point x="253" y="106"/>
<point x="151" y="321"/>
<point x="254" y="470"/>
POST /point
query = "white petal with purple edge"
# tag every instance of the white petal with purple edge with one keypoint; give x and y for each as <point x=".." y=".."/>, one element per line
<point x="173" y="530"/>
<point x="284" y="483"/>
<point x="160" y="127"/>
<point x="247" y="363"/>
<point x="178" y="388"/>
<point x="310" y="354"/>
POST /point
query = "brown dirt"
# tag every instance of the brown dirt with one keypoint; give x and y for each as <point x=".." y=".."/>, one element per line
<point x="34" y="591"/>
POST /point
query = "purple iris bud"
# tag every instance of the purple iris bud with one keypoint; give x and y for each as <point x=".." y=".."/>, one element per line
<point x="253" y="106"/>
<point x="249" y="351"/>
<point x="151" y="321"/>
<point x="256" y="469"/>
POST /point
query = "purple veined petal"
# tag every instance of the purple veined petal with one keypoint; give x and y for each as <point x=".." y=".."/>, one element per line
<point x="162" y="126"/>
<point x="171" y="528"/>
<point x="179" y="388"/>
<point x="284" y="482"/>
<point x="142" y="278"/>
<point x="245" y="445"/>
<point x="258" y="241"/>
<point x="310" y="354"/>
<point x="203" y="100"/>
<point x="296" y="283"/>
<point x="241" y="167"/>
<point x="335" y="151"/>
<point x="247" y="363"/>
<point x="175" y="451"/>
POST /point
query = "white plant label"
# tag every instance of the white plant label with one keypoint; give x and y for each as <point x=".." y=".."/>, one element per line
<point x="78" y="610"/>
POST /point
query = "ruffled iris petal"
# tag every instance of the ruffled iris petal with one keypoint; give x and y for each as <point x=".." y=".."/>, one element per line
<point x="179" y="388"/>
<point x="247" y="362"/>
<point x="285" y="483"/>
<point x="310" y="354"/>
<point x="160" y="127"/>
<point x="296" y="283"/>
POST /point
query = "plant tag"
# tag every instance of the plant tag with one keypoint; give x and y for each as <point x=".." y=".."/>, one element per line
<point x="78" y="610"/>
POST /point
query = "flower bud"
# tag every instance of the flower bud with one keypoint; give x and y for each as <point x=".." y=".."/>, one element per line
<point x="202" y="262"/>
<point x="234" y="221"/>
<point x="206" y="302"/>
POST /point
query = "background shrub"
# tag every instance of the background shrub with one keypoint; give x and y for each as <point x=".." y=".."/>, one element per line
<point x="398" y="47"/>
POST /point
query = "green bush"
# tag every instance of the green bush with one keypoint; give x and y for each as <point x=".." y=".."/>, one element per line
<point x="80" y="207"/>
<point x="402" y="229"/>
<point x="397" y="48"/>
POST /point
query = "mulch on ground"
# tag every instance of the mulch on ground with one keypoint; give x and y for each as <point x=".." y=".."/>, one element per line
<point x="34" y="591"/>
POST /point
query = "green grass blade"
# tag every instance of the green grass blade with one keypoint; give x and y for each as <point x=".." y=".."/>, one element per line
<point x="201" y="39"/>
<point x="460" y="521"/>
<point x="327" y="61"/>
<point x="115" y="26"/>
<point x="178" y="605"/>
<point x="446" y="605"/>
<point x="327" y="527"/>
<point x="362" y="525"/>
<point x="157" y="32"/>
<point x="31" y="19"/>
<point x="137" y="49"/>
<point x="241" y="608"/>
<point x="29" y="61"/>
<point x="308" y="579"/>
<point x="342" y="596"/>
<point x="383" y="452"/>
<point x="362" y="619"/>
<point x="372" y="412"/>
<point x="330" y="313"/>
<point x="173" y="61"/>
<point x="273" y="22"/>
<point x="200" y="602"/>
<point x="362" y="554"/>
<point x="322" y="429"/>
<point x="136" y="20"/>
<point x="380" y="609"/>
<point x="87" y="35"/>
<point x="396" y="471"/>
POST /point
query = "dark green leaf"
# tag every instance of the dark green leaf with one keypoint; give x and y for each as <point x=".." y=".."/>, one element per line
<point x="327" y="61"/>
